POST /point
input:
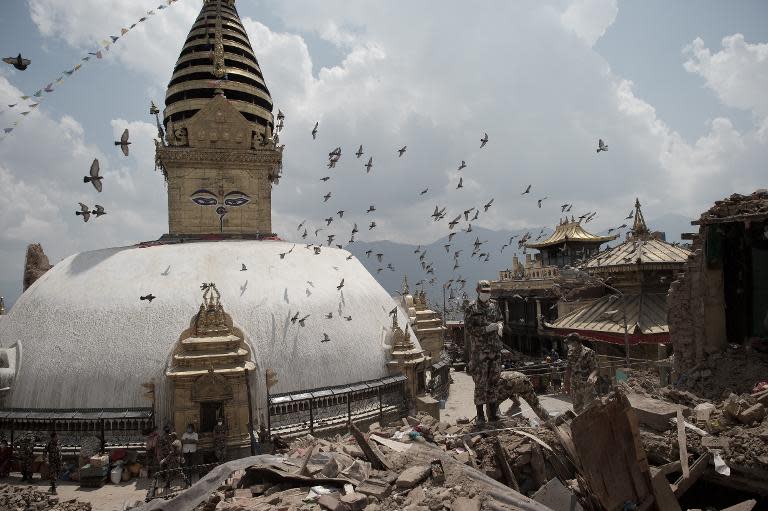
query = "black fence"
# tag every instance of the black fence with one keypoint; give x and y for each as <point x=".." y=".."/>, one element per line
<point x="121" y="427"/>
<point x="332" y="408"/>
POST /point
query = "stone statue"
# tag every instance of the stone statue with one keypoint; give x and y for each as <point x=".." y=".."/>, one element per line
<point x="35" y="265"/>
<point x="180" y="136"/>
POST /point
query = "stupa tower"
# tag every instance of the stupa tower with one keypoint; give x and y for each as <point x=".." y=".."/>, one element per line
<point x="219" y="154"/>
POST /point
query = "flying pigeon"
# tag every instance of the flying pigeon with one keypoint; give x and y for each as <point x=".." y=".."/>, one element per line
<point x="541" y="200"/>
<point x="314" y="131"/>
<point x="601" y="145"/>
<point x="295" y="318"/>
<point x="368" y="253"/>
<point x="463" y="165"/>
<point x="527" y="190"/>
<point x="562" y="207"/>
<point x="340" y="213"/>
<point x="123" y="143"/>
<point x="468" y="229"/>
<point x="304" y="235"/>
<point x="326" y="197"/>
<point x="348" y="318"/>
<point x="630" y="215"/>
<point x="325" y="338"/>
<point x="95" y="178"/>
<point x="487" y="205"/>
<point x="369" y="165"/>
<point x="331" y="238"/>
<point x="359" y="152"/>
<point x="148" y="297"/>
<point x="243" y="268"/>
<point x="302" y="320"/>
<point x="461" y="183"/>
<point x="341" y="284"/>
<point x="98" y="211"/>
<point x="424" y="191"/>
<point x="477" y="214"/>
<point x="324" y="179"/>
<point x="484" y="140"/>
<point x="371" y="209"/>
<point x="85" y="212"/>
<point x="401" y="151"/>
<point x="329" y="315"/>
<point x="354" y="229"/>
<point x="19" y="62"/>
<point x="328" y="220"/>
<point x="453" y="222"/>
<point x="373" y="224"/>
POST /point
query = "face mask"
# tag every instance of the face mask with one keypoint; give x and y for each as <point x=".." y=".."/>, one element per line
<point x="189" y="430"/>
<point x="484" y="297"/>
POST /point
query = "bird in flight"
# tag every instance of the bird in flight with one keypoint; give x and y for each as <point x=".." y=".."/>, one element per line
<point x="98" y="211"/>
<point x="295" y="318"/>
<point x="302" y="320"/>
<point x="562" y="207"/>
<point x="487" y="205"/>
<point x="243" y="267"/>
<point x="368" y="253"/>
<point x="348" y="318"/>
<point x="359" y="152"/>
<point x="372" y="225"/>
<point x="601" y="146"/>
<point x="85" y="212"/>
<point x="325" y="338"/>
<point x="461" y="183"/>
<point x="454" y="222"/>
<point x="542" y="200"/>
<point x="314" y="131"/>
<point x="324" y="179"/>
<point x="630" y="215"/>
<point x="401" y="151"/>
<point x="424" y="191"/>
<point x="463" y="165"/>
<point x="340" y="213"/>
<point x="123" y="142"/>
<point x="379" y="256"/>
<point x="18" y="62"/>
<point x="369" y="165"/>
<point x="527" y="190"/>
<point x="329" y="315"/>
<point x="371" y="209"/>
<point x="328" y="220"/>
<point x="341" y="284"/>
<point x="301" y="225"/>
<point x="484" y="140"/>
<point x="326" y="197"/>
<point x="94" y="178"/>
<point x="148" y="297"/>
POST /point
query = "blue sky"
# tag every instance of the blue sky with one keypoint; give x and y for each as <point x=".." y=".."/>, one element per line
<point x="675" y="88"/>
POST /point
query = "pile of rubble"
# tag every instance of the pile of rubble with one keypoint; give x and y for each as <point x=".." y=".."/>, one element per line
<point x="28" y="498"/>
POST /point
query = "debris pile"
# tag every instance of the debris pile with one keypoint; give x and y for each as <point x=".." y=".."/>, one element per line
<point x="28" y="498"/>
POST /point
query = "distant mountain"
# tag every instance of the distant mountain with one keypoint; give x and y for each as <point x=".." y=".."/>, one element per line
<point x="406" y="262"/>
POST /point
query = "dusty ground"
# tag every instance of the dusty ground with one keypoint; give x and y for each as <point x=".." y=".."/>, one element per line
<point x="460" y="401"/>
<point x="109" y="497"/>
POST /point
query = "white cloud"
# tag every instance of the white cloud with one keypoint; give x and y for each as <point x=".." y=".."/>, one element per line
<point x="411" y="80"/>
<point x="589" y="19"/>
<point x="738" y="73"/>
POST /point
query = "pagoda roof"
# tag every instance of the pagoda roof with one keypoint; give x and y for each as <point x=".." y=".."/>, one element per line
<point x="570" y="232"/>
<point x="646" y="315"/>
<point x="640" y="249"/>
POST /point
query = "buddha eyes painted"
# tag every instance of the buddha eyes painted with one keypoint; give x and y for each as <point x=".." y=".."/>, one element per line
<point x="231" y="199"/>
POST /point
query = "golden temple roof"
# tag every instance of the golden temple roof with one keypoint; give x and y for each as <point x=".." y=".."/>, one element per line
<point x="640" y="248"/>
<point x="570" y="232"/>
<point x="217" y="57"/>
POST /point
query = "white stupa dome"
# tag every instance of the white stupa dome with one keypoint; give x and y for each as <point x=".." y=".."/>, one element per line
<point x="84" y="339"/>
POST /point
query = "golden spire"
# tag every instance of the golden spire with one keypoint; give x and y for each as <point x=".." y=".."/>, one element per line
<point x="2" y="305"/>
<point x="639" y="227"/>
<point x="405" y="290"/>
<point x="219" y="69"/>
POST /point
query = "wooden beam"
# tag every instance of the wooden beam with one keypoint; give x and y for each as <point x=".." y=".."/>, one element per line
<point x="377" y="460"/>
<point x="506" y="470"/>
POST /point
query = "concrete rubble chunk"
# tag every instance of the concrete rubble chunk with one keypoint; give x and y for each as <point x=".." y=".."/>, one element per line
<point x="557" y="496"/>
<point x="654" y="413"/>
<point x="374" y="488"/>
<point x="355" y="501"/>
<point x="412" y="476"/>
<point x="752" y="414"/>
<point x="332" y="503"/>
<point x="466" y="504"/>
<point x="331" y="469"/>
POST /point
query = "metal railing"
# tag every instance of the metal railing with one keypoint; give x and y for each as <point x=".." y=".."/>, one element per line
<point x="440" y="380"/>
<point x="332" y="408"/>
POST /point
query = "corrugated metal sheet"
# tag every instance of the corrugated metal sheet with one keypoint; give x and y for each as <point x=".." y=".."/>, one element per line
<point x="570" y="231"/>
<point x="639" y="251"/>
<point x="646" y="314"/>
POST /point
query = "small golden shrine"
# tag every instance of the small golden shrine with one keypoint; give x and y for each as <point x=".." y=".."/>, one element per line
<point x="209" y="370"/>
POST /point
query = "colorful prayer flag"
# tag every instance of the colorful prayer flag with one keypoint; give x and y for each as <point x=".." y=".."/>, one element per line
<point x="25" y="98"/>
<point x="123" y="31"/>
<point x="25" y="113"/>
<point x="8" y="130"/>
<point x="38" y="93"/>
<point x="114" y="38"/>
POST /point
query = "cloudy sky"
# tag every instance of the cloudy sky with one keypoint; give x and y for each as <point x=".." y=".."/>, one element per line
<point x="676" y="89"/>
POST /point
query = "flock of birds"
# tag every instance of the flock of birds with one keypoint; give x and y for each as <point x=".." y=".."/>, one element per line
<point x="478" y="248"/>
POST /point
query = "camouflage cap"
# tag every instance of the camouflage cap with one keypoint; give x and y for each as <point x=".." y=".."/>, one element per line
<point x="573" y="337"/>
<point x="484" y="285"/>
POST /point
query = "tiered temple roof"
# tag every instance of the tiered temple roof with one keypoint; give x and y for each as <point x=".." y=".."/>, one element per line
<point x="570" y="232"/>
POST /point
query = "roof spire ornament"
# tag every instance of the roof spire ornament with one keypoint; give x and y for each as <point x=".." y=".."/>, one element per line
<point x="219" y="69"/>
<point x="639" y="228"/>
<point x="405" y="290"/>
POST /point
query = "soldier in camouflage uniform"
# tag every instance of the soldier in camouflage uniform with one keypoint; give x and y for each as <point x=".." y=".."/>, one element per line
<point x="164" y="443"/>
<point x="53" y="453"/>
<point x="514" y="385"/>
<point x="581" y="372"/>
<point x="26" y="457"/>
<point x="220" y="441"/>
<point x="483" y="325"/>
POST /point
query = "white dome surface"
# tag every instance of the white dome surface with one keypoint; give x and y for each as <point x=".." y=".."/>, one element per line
<point x="87" y="341"/>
